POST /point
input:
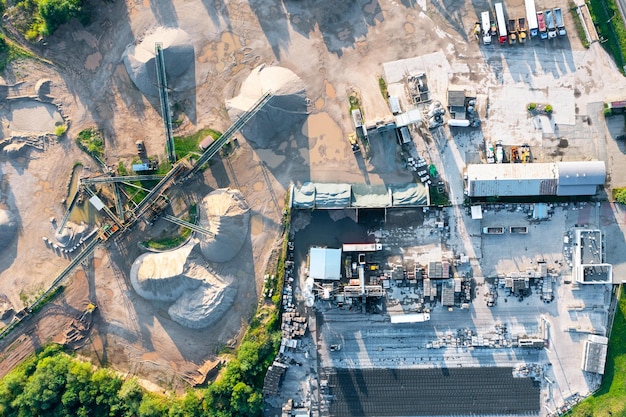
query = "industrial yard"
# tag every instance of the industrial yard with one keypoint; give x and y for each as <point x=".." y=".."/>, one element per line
<point x="454" y="231"/>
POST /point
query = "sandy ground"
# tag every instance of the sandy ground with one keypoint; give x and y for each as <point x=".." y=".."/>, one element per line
<point x="334" y="48"/>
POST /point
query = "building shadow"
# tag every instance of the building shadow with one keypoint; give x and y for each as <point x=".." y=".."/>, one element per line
<point x="340" y="23"/>
<point x="217" y="10"/>
<point x="273" y="21"/>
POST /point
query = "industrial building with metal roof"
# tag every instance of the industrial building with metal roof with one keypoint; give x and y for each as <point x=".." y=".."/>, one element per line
<point x="541" y="179"/>
<point x="588" y="258"/>
<point x="325" y="264"/>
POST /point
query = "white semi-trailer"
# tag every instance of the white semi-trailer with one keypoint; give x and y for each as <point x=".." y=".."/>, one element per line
<point x="503" y="35"/>
<point x="486" y="27"/>
<point x="531" y="16"/>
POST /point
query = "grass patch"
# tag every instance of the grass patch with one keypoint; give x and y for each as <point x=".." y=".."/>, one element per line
<point x="170" y="242"/>
<point x="121" y="169"/>
<point x="610" y="399"/>
<point x="186" y="145"/>
<point x="91" y="141"/>
<point x="11" y="51"/>
<point x="580" y="29"/>
<point x="38" y="305"/>
<point x="354" y="101"/>
<point x="382" y="84"/>
<point x="606" y="16"/>
<point x="438" y="196"/>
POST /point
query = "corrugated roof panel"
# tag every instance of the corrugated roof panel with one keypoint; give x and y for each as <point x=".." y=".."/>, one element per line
<point x="581" y="173"/>
<point x="565" y="190"/>
<point x="506" y="187"/>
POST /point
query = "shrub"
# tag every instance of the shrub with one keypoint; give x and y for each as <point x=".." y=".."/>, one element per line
<point x="607" y="112"/>
<point x="548" y="109"/>
<point x="60" y="130"/>
<point x="619" y="194"/>
<point x="92" y="142"/>
<point x="532" y="106"/>
<point x="383" y="87"/>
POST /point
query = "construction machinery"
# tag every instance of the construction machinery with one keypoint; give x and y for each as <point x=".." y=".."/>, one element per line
<point x="525" y="155"/>
<point x="354" y="143"/>
<point x="515" y="154"/>
<point x="521" y="30"/>
<point x="512" y="32"/>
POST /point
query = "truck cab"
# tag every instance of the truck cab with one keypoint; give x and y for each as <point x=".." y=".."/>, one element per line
<point x="550" y="24"/>
<point x="543" y="31"/>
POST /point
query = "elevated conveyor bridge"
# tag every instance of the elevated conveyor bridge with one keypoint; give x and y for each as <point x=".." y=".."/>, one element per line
<point x="194" y="227"/>
<point x="215" y="147"/>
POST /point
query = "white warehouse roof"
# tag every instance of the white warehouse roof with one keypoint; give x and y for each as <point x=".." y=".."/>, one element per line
<point x="580" y="178"/>
<point x="503" y="180"/>
<point x="560" y="178"/>
<point x="325" y="263"/>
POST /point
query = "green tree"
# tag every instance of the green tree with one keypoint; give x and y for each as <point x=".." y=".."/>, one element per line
<point x="57" y="12"/>
<point x="131" y="395"/>
<point x="239" y="399"/>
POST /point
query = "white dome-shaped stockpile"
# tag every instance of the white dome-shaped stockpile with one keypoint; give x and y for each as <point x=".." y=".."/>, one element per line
<point x="226" y="214"/>
<point x="178" y="53"/>
<point x="8" y="227"/>
<point x="284" y="112"/>
<point x="199" y="296"/>
<point x="165" y="276"/>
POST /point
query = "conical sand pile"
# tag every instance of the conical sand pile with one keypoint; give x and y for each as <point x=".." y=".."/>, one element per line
<point x="200" y="297"/>
<point x="285" y="112"/>
<point x="226" y="214"/>
<point x="177" y="51"/>
<point x="8" y="227"/>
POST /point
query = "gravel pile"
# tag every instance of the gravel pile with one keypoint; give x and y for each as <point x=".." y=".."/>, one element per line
<point x="179" y="57"/>
<point x="286" y="111"/>
<point x="226" y="214"/>
<point x="199" y="296"/>
<point x="8" y="228"/>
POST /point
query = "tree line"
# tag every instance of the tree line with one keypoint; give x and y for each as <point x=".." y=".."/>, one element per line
<point x="54" y="383"/>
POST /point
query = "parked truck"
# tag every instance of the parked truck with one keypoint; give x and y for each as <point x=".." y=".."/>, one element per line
<point x="550" y="24"/>
<point x="521" y="30"/>
<point x="354" y="143"/>
<point x="493" y="230"/>
<point x="512" y="32"/>
<point x="502" y="35"/>
<point x="560" y="26"/>
<point x="543" y="31"/>
<point x="531" y="15"/>
<point x="486" y="26"/>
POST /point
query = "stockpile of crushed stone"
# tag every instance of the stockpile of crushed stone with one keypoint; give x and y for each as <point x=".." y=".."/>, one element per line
<point x="199" y="296"/>
<point x="183" y="277"/>
<point x="286" y="111"/>
<point x="226" y="214"/>
<point x="8" y="227"/>
<point x="205" y="305"/>
<point x="178" y="53"/>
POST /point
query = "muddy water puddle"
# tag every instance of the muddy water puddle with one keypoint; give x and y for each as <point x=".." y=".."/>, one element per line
<point x="82" y="212"/>
<point x="32" y="116"/>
